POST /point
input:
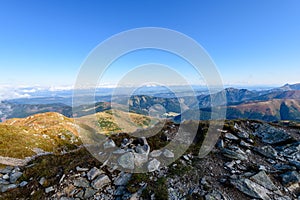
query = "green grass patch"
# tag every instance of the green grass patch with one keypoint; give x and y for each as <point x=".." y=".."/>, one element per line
<point x="157" y="187"/>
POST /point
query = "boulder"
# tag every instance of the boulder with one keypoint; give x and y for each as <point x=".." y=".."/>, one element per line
<point x="290" y="177"/>
<point x="230" y="136"/>
<point x="15" y="176"/>
<point x="81" y="182"/>
<point x="49" y="189"/>
<point x="155" y="153"/>
<point x="127" y="161"/>
<point x="93" y="173"/>
<point x="264" y="180"/>
<point x="168" y="154"/>
<point x="109" y="144"/>
<point x="272" y="135"/>
<point x="122" y="179"/>
<point x="251" y="188"/>
<point x="237" y="154"/>
<point x="4" y="188"/>
<point x="140" y="159"/>
<point x="153" y="165"/>
<point x="89" y="192"/>
<point x="101" y="181"/>
<point x="267" y="151"/>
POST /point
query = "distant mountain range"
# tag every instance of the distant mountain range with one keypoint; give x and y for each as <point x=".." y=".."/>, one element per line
<point x="282" y="103"/>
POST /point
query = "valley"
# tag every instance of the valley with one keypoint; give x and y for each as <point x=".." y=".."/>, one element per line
<point x="54" y="151"/>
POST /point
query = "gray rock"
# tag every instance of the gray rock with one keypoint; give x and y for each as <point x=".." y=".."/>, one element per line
<point x="272" y="135"/>
<point x="93" y="173"/>
<point x="141" y="149"/>
<point x="66" y="198"/>
<point x="122" y="179"/>
<point x="125" y="141"/>
<point x="79" y="169"/>
<point x="245" y="144"/>
<point x="153" y="165"/>
<point x="291" y="177"/>
<point x="49" y="189"/>
<point x="3" y="182"/>
<point x="243" y="135"/>
<point x="289" y="148"/>
<point x="101" y="181"/>
<point x="295" y="163"/>
<point x="283" y="198"/>
<point x="250" y="141"/>
<point x="229" y="165"/>
<point x="120" y="191"/>
<point x="251" y="188"/>
<point x="271" y="161"/>
<point x="23" y="183"/>
<point x="119" y="151"/>
<point x="5" y="188"/>
<point x="81" y="182"/>
<point x="220" y="144"/>
<point x="264" y="180"/>
<point x="88" y="193"/>
<point x="6" y="170"/>
<point x="15" y="176"/>
<point x="262" y="168"/>
<point x="206" y="185"/>
<point x="214" y="195"/>
<point x="283" y="167"/>
<point x="168" y="154"/>
<point x="237" y="154"/>
<point x="42" y="181"/>
<point x="267" y="151"/>
<point x="80" y="194"/>
<point x="231" y="136"/>
<point x="140" y="159"/>
<point x="155" y="153"/>
<point x="186" y="157"/>
<point x="146" y="146"/>
<point x="109" y="144"/>
<point x="5" y="176"/>
<point x="127" y="161"/>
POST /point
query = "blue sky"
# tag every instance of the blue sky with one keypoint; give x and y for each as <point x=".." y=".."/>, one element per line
<point x="252" y="42"/>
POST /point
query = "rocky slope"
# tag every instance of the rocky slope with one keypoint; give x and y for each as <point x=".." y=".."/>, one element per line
<point x="251" y="160"/>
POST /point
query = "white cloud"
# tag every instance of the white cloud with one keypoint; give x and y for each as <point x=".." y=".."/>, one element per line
<point x="9" y="92"/>
<point x="60" y="88"/>
<point x="33" y="90"/>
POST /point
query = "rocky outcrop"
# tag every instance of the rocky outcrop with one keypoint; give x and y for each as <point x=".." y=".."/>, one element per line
<point x="252" y="160"/>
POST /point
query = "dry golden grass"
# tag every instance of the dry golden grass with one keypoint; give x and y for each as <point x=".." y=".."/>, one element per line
<point x="116" y="121"/>
<point x="53" y="132"/>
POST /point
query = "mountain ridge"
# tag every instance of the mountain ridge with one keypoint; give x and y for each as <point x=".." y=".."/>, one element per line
<point x="143" y="104"/>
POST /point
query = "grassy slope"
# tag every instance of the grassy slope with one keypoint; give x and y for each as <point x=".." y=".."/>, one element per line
<point x="116" y="121"/>
<point x="271" y="108"/>
<point x="50" y="132"/>
<point x="54" y="132"/>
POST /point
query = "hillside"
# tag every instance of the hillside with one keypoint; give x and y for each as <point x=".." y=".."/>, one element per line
<point x="272" y="110"/>
<point x="251" y="160"/>
<point x="116" y="121"/>
<point x="46" y="132"/>
<point x="53" y="132"/>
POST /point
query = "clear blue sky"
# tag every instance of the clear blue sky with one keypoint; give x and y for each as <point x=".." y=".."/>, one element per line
<point x="251" y="41"/>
